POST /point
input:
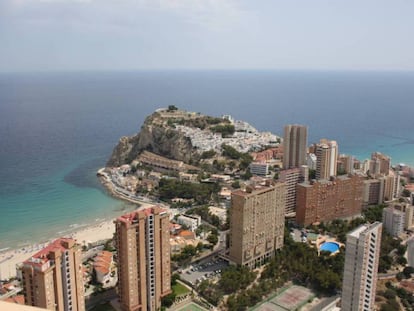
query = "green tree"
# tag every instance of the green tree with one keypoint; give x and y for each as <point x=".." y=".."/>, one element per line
<point x="168" y="300"/>
<point x="208" y="154"/>
<point x="212" y="239"/>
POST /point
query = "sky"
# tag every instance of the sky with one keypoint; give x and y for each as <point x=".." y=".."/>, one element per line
<point x="71" y="35"/>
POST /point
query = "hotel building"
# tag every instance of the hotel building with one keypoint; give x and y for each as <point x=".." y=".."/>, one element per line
<point x="294" y="146"/>
<point x="257" y="220"/>
<point x="361" y="266"/>
<point x="144" y="272"/>
<point x="53" y="279"/>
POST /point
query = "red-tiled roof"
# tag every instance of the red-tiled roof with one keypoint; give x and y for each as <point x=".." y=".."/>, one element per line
<point x="42" y="256"/>
<point x="128" y="218"/>
<point x="186" y="234"/>
<point x="102" y="262"/>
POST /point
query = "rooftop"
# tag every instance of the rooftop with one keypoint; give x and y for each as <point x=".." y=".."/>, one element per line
<point x="252" y="190"/>
<point x="357" y="232"/>
<point x="133" y="216"/>
<point x="61" y="244"/>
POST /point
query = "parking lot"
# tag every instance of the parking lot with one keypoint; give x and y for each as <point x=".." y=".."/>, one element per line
<point x="196" y="273"/>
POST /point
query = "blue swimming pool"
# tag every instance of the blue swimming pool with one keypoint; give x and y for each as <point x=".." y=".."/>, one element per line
<point x="331" y="247"/>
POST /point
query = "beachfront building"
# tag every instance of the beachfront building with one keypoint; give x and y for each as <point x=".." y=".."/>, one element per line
<point x="361" y="266"/>
<point x="257" y="219"/>
<point x="144" y="272"/>
<point x="326" y="200"/>
<point x="294" y="145"/>
<point x="53" y="278"/>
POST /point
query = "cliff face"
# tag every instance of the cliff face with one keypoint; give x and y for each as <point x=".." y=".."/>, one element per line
<point x="155" y="137"/>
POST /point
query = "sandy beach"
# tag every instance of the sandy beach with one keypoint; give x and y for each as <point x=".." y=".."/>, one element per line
<point x="89" y="234"/>
<point x="93" y="233"/>
<point x="10" y="258"/>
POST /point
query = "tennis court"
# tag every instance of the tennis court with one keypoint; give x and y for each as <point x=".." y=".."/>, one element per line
<point x="191" y="306"/>
<point x="288" y="300"/>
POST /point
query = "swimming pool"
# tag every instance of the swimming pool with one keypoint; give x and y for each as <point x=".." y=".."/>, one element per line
<point x="331" y="247"/>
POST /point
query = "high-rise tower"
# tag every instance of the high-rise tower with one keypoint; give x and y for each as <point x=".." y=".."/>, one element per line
<point x="53" y="277"/>
<point x="294" y="146"/>
<point x="257" y="221"/>
<point x="326" y="159"/>
<point x="143" y="244"/>
<point x="361" y="266"/>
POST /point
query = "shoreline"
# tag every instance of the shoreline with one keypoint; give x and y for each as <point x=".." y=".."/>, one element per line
<point x="90" y="233"/>
<point x="10" y="257"/>
<point x="112" y="190"/>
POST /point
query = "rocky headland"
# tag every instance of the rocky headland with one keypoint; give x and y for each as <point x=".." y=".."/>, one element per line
<point x="184" y="136"/>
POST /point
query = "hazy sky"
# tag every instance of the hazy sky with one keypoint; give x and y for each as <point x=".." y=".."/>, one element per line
<point x="206" y="34"/>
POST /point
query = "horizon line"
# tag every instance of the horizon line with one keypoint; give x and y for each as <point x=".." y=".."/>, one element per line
<point x="334" y="70"/>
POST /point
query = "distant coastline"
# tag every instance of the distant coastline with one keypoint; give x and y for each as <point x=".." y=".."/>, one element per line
<point x="49" y="129"/>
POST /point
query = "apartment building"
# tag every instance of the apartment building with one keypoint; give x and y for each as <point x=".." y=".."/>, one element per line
<point x="291" y="178"/>
<point x="294" y="146"/>
<point x="144" y="272"/>
<point x="326" y="200"/>
<point x="326" y="159"/>
<point x="393" y="220"/>
<point x="53" y="279"/>
<point x="257" y="223"/>
<point x="361" y="266"/>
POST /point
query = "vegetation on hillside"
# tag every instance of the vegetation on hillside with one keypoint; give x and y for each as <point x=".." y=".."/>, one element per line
<point x="172" y="188"/>
<point x="225" y="129"/>
<point x="244" y="158"/>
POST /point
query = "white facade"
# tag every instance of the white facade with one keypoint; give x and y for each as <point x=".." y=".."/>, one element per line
<point x="311" y="161"/>
<point x="190" y="221"/>
<point x="393" y="220"/>
<point x="326" y="159"/>
<point x="361" y="268"/>
<point x="410" y="252"/>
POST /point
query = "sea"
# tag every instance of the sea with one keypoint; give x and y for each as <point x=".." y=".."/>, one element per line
<point x="58" y="129"/>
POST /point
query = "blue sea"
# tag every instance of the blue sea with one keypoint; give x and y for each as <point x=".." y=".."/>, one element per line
<point x="57" y="129"/>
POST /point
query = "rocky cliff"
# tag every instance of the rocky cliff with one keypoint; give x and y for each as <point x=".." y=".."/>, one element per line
<point x="155" y="136"/>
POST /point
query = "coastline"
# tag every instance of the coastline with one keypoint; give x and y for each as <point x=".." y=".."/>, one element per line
<point x="118" y="194"/>
<point x="104" y="230"/>
<point x="89" y="234"/>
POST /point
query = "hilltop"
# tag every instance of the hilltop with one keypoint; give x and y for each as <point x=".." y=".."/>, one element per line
<point x="188" y="136"/>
